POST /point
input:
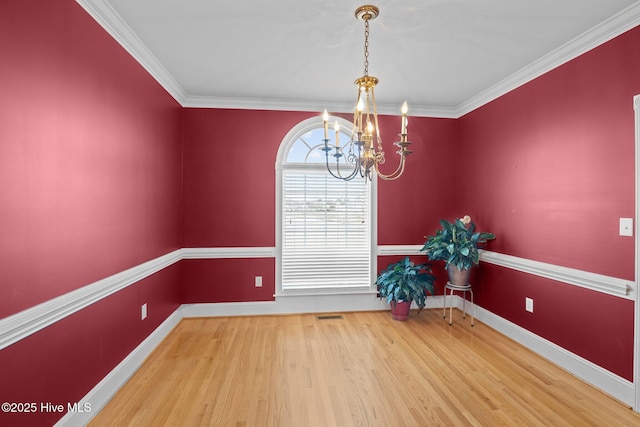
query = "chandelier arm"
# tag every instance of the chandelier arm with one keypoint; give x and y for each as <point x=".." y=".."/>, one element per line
<point x="395" y="174"/>
<point x="375" y="118"/>
<point x="338" y="175"/>
<point x="356" y="114"/>
<point x="399" y="170"/>
<point x="326" y="150"/>
<point x="351" y="175"/>
<point x="359" y="159"/>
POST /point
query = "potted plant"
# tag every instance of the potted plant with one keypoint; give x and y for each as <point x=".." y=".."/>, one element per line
<point x="404" y="282"/>
<point x="457" y="244"/>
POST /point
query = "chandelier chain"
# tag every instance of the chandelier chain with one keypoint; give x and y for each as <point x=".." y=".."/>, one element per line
<point x="366" y="47"/>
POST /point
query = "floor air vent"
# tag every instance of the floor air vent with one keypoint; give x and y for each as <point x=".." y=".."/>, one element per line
<point x="329" y="317"/>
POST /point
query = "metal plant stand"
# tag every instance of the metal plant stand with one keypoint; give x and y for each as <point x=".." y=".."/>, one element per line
<point x="460" y="288"/>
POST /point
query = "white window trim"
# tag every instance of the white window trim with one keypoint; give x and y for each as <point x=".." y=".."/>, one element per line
<point x="636" y="340"/>
<point x="290" y="138"/>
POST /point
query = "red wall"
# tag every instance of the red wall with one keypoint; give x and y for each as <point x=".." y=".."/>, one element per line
<point x="229" y="175"/>
<point x="410" y="208"/>
<point x="549" y="168"/>
<point x="90" y="184"/>
<point x="227" y="280"/>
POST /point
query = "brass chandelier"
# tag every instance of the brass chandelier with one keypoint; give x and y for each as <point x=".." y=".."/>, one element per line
<point x="362" y="154"/>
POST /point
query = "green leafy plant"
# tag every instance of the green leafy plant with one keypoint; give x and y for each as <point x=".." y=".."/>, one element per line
<point x="457" y="243"/>
<point x="406" y="281"/>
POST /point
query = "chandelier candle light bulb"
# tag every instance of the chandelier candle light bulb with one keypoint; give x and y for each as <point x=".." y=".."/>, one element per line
<point x="337" y="128"/>
<point x="325" y="118"/>
<point x="405" y="108"/>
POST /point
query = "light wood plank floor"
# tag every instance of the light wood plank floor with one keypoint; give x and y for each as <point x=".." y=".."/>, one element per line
<point x="364" y="369"/>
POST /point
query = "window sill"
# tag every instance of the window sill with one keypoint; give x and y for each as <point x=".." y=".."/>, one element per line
<point x="325" y="292"/>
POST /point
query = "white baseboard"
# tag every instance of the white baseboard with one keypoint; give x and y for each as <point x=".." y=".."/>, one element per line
<point x="102" y="393"/>
<point x="295" y="304"/>
<point x="289" y="304"/>
<point x="256" y="308"/>
<point x="589" y="372"/>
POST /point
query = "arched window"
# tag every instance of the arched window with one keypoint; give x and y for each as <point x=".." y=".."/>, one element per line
<point x="325" y="225"/>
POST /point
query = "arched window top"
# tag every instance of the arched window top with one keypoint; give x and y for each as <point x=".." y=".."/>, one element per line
<point x="303" y="144"/>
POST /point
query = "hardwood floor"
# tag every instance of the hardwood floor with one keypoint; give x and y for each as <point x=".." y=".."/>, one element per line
<point x="363" y="369"/>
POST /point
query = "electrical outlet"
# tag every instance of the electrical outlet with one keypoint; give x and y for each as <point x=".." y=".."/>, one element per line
<point x="258" y="281"/>
<point x="143" y="311"/>
<point x="528" y="304"/>
<point x="626" y="226"/>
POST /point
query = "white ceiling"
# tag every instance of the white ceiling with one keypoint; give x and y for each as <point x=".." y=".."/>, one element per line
<point x="446" y="57"/>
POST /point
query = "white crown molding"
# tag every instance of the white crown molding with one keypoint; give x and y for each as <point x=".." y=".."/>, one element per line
<point x="601" y="33"/>
<point x="22" y="324"/>
<point x="108" y="18"/>
<point x="432" y="112"/>
<point x="193" y="101"/>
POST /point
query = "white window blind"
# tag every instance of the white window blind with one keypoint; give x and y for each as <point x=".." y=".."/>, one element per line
<point x="326" y="231"/>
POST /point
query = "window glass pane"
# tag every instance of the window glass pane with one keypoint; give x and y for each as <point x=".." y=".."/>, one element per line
<point x="326" y="225"/>
<point x="308" y="147"/>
